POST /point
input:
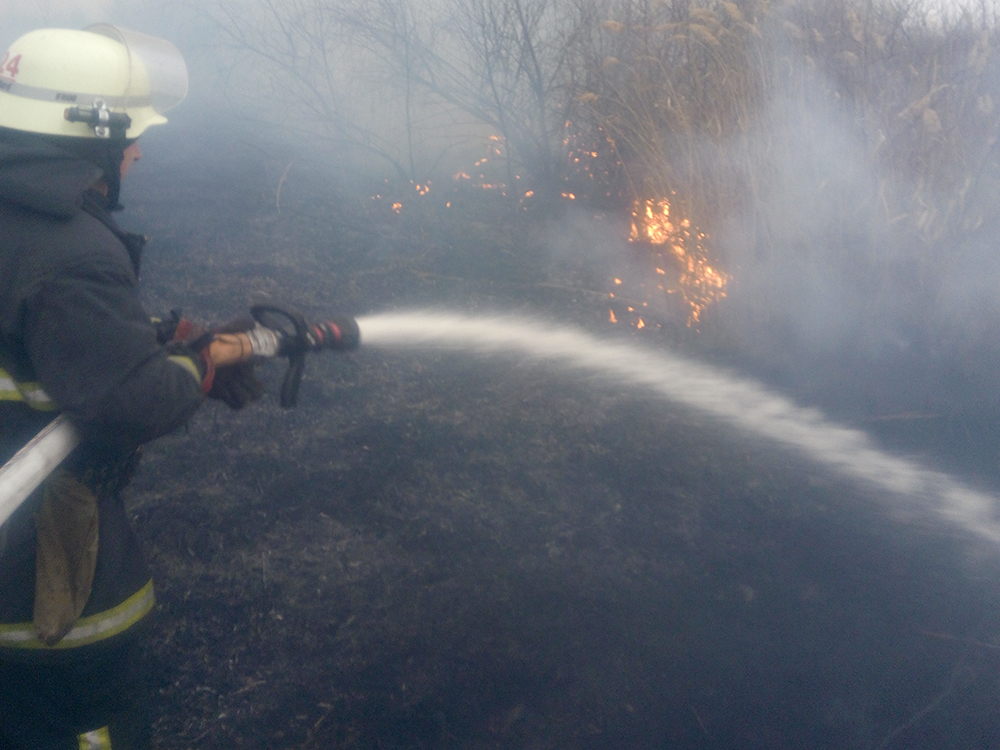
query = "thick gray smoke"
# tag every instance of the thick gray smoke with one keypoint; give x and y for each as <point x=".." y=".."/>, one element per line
<point x="805" y="269"/>
<point x="817" y="270"/>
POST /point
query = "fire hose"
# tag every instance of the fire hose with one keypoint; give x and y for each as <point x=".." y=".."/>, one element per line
<point x="278" y="333"/>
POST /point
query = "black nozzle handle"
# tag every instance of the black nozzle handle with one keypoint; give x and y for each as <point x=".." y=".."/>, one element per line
<point x="292" y="344"/>
<point x="339" y="333"/>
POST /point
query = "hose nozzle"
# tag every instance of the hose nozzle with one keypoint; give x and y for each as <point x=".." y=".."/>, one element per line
<point x="337" y="333"/>
<point x="294" y="341"/>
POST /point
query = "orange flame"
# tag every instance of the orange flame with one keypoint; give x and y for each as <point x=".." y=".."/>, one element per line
<point x="700" y="284"/>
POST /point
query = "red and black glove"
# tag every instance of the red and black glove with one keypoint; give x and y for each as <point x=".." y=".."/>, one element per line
<point x="237" y="385"/>
<point x="193" y="339"/>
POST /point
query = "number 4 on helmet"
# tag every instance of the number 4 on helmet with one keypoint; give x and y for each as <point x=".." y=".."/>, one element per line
<point x="103" y="72"/>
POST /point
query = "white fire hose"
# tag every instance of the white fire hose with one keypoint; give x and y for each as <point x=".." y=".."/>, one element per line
<point x="25" y="471"/>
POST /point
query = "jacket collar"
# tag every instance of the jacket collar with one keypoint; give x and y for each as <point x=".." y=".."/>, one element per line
<point x="44" y="177"/>
<point x="96" y="205"/>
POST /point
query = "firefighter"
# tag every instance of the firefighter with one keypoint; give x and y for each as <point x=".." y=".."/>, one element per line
<point x="74" y="589"/>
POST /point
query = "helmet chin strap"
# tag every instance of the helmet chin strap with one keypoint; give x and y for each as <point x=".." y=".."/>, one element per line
<point x="114" y="153"/>
<point x="111" y="128"/>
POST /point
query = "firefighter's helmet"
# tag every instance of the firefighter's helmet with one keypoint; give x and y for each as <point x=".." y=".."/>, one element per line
<point x="90" y="83"/>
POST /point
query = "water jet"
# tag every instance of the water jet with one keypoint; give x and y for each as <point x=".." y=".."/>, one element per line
<point x="741" y="403"/>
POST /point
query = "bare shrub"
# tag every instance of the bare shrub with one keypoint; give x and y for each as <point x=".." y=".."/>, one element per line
<point x="464" y="68"/>
<point x="692" y="102"/>
<point x="677" y="86"/>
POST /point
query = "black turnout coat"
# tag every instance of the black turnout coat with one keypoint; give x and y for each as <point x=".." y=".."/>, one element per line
<point x="71" y="323"/>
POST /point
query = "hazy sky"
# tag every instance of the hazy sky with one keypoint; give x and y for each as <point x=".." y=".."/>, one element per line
<point x="158" y="18"/>
<point x="20" y="16"/>
<point x="155" y="16"/>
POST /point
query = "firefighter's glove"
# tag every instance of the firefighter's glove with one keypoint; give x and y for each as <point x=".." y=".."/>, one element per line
<point x="229" y="375"/>
<point x="188" y="339"/>
<point x="194" y="336"/>
<point x="235" y="384"/>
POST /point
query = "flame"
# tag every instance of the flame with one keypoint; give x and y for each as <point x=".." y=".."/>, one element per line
<point x="591" y="164"/>
<point x="700" y="284"/>
<point x="613" y="319"/>
<point x="485" y="172"/>
<point x="397" y="207"/>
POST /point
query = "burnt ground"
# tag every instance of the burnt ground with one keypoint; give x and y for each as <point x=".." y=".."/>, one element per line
<point x="438" y="551"/>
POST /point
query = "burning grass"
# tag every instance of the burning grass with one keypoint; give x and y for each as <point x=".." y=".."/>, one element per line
<point x="700" y="100"/>
<point x="697" y="281"/>
<point x="687" y="108"/>
<point x="864" y="131"/>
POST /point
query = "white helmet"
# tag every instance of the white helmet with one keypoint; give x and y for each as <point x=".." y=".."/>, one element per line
<point x="98" y="83"/>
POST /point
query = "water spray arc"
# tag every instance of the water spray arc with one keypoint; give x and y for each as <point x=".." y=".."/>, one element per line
<point x="740" y="403"/>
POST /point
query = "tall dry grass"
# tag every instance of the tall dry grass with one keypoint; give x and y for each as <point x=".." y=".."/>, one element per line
<point x="675" y="87"/>
<point x="712" y="104"/>
<point x="699" y="101"/>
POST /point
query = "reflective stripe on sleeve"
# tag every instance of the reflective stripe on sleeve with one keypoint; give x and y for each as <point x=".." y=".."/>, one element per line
<point x="99" y="739"/>
<point x="188" y="364"/>
<point x="87" y="630"/>
<point x="30" y="393"/>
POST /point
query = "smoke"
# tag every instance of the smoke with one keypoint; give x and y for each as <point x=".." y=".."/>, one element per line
<point x="821" y="269"/>
<point x="835" y="270"/>
<point x="21" y="17"/>
<point x="811" y="265"/>
<point x="855" y="280"/>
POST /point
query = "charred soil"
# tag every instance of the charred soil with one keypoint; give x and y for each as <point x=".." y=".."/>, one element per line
<point x="435" y="551"/>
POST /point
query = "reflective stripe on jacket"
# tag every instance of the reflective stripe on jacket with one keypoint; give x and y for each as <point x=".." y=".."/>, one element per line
<point x="87" y="630"/>
<point x="30" y="393"/>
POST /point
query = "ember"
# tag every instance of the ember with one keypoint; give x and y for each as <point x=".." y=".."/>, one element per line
<point x="700" y="284"/>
